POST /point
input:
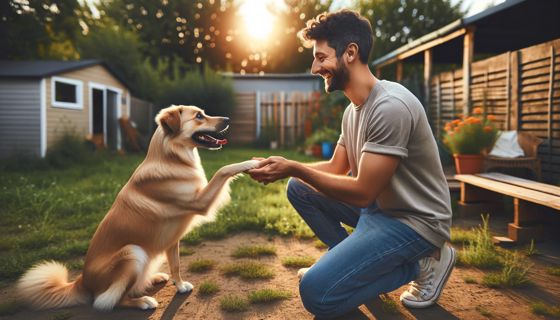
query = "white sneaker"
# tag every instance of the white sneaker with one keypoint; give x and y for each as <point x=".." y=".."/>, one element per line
<point x="426" y="290"/>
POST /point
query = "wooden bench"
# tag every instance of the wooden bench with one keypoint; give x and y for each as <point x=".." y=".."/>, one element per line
<point x="531" y="199"/>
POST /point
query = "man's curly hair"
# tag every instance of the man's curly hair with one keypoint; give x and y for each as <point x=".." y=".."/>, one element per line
<point x="340" y="29"/>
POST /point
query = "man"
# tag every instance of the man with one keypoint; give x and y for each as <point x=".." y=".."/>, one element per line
<point x="396" y="196"/>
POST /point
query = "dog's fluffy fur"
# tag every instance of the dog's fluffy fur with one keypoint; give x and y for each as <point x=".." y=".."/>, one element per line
<point x="166" y="195"/>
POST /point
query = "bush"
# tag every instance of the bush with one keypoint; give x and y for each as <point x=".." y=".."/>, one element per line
<point x="69" y="149"/>
<point x="322" y="135"/>
<point x="207" y="90"/>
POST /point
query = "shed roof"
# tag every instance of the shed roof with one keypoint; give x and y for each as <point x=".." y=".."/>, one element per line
<point x="47" y="68"/>
<point x="511" y="25"/>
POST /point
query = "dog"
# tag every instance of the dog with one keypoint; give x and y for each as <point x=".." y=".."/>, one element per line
<point x="165" y="197"/>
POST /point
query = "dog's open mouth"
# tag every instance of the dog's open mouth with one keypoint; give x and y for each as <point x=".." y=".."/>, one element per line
<point x="210" y="139"/>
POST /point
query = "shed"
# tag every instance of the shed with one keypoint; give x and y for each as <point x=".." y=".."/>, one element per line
<point x="41" y="100"/>
<point x="275" y="103"/>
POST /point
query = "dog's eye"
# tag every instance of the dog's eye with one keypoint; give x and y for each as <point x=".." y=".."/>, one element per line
<point x="199" y="116"/>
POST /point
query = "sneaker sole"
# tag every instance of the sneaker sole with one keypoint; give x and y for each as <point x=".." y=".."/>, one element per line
<point x="439" y="289"/>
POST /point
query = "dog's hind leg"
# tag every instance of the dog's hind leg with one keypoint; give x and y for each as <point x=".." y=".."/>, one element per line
<point x="173" y="261"/>
<point x="127" y="268"/>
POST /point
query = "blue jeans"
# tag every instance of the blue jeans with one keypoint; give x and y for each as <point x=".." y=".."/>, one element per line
<point x="378" y="257"/>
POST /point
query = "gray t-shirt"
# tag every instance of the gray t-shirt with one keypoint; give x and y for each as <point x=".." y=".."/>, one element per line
<point x="392" y="121"/>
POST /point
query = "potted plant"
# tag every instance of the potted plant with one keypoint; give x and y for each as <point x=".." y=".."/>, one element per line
<point x="322" y="142"/>
<point x="468" y="138"/>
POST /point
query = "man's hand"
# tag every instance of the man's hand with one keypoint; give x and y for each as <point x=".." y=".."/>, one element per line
<point x="272" y="169"/>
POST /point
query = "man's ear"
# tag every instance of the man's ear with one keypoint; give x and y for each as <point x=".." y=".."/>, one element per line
<point x="352" y="52"/>
<point x="170" y="119"/>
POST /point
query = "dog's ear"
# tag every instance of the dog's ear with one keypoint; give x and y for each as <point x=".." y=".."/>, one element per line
<point x="170" y="119"/>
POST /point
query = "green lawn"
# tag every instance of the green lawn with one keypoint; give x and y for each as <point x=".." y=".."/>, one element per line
<point x="52" y="213"/>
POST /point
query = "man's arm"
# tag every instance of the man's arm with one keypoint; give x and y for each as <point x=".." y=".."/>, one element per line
<point x="374" y="173"/>
<point x="338" y="164"/>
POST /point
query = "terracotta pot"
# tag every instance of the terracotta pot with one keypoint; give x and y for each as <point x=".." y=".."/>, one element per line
<point x="468" y="163"/>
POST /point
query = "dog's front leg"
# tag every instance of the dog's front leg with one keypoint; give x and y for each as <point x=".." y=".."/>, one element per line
<point x="209" y="194"/>
<point x="173" y="261"/>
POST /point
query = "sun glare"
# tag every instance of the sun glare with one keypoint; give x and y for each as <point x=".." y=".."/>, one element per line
<point x="257" y="18"/>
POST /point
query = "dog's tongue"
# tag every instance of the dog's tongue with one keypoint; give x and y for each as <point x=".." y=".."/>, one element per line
<point x="221" y="141"/>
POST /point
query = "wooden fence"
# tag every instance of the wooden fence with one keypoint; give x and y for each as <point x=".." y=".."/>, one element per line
<point x="521" y="88"/>
<point x="280" y="116"/>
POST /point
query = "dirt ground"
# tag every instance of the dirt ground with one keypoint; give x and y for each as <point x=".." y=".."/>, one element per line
<point x="460" y="300"/>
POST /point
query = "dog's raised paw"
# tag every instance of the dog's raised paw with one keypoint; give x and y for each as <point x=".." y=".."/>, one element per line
<point x="160" y="277"/>
<point x="184" y="287"/>
<point x="249" y="164"/>
<point x="147" y="302"/>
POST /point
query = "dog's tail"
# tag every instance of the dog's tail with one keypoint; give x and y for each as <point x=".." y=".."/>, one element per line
<point x="46" y="286"/>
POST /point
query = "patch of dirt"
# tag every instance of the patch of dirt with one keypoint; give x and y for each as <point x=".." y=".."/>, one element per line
<point x="460" y="300"/>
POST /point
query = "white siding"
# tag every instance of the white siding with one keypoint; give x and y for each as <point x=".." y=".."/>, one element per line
<point x="20" y="117"/>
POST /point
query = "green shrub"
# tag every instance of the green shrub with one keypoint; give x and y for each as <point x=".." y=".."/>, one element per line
<point x="268" y="295"/>
<point x="254" y="251"/>
<point x="480" y="251"/>
<point x="68" y="150"/>
<point x="298" y="262"/>
<point x="231" y="303"/>
<point x="248" y="270"/>
<point x="207" y="288"/>
<point x="201" y="265"/>
<point x="513" y="273"/>
<point x="545" y="310"/>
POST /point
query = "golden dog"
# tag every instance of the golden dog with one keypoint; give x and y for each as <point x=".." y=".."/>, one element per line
<point x="158" y="205"/>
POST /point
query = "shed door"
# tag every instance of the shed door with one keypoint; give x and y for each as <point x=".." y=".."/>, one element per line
<point x="112" y="119"/>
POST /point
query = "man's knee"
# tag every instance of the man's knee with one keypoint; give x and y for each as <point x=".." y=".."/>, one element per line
<point x="313" y="296"/>
<point x="295" y="189"/>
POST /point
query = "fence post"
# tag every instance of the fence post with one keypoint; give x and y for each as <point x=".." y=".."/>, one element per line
<point x="550" y="102"/>
<point x="282" y="118"/>
<point x="258" y="113"/>
<point x="427" y="77"/>
<point x="515" y="105"/>
<point x="438" y="106"/>
<point x="508" y="91"/>
<point x="468" y="50"/>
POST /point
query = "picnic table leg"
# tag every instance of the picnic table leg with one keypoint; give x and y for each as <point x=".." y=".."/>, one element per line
<point x="475" y="200"/>
<point x="525" y="225"/>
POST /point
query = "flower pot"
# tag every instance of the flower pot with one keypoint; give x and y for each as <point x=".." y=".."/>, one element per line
<point x="468" y="163"/>
<point x="316" y="150"/>
<point x="327" y="149"/>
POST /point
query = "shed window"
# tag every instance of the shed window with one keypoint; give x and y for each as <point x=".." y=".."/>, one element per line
<point x="66" y="93"/>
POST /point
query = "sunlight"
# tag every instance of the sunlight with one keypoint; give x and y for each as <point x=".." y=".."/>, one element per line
<point x="257" y="18"/>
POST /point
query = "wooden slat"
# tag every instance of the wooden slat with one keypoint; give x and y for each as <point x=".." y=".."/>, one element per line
<point x="541" y="198"/>
<point x="530" y="184"/>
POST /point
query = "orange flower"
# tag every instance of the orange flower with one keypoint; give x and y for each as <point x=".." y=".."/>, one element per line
<point x="477" y="110"/>
<point x="458" y="129"/>
<point x="491" y="117"/>
<point x="456" y="121"/>
<point x="488" y="129"/>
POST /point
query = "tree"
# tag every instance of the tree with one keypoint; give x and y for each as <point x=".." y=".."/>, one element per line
<point x="39" y="29"/>
<point x="397" y="22"/>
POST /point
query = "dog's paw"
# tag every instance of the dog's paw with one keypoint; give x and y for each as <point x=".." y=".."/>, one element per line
<point x="147" y="302"/>
<point x="247" y="165"/>
<point x="160" y="277"/>
<point x="184" y="286"/>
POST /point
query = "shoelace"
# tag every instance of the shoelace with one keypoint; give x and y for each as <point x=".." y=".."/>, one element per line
<point x="424" y="284"/>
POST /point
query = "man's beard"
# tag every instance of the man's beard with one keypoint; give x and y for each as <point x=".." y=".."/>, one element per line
<point x="339" y="78"/>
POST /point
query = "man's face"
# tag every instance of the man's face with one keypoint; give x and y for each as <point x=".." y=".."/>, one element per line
<point x="326" y="64"/>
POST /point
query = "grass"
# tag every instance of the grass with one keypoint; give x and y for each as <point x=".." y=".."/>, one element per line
<point x="483" y="311"/>
<point x="298" y="262"/>
<point x="52" y="212"/>
<point x="8" y="308"/>
<point x="231" y="303"/>
<point x="555" y="271"/>
<point x="248" y="270"/>
<point x="479" y="250"/>
<point x="201" y="265"/>
<point x="462" y="236"/>
<point x="513" y="273"/>
<point x="389" y="305"/>
<point x="470" y="280"/>
<point x="319" y="244"/>
<point x="186" y="251"/>
<point x="268" y="296"/>
<point x="543" y="309"/>
<point x="254" y="251"/>
<point x="208" y="288"/>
